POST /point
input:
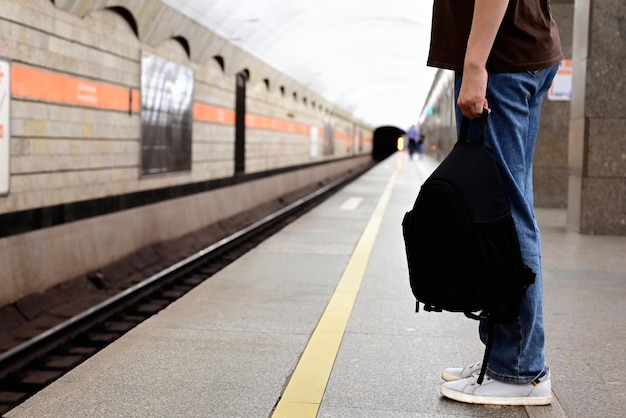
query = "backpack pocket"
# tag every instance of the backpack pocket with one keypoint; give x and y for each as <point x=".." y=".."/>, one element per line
<point x="437" y="235"/>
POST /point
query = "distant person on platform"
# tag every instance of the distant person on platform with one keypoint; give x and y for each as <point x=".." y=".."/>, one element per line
<point x="413" y="135"/>
<point x="420" y="145"/>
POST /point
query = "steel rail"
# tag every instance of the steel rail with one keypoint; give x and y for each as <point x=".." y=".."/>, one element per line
<point x="19" y="356"/>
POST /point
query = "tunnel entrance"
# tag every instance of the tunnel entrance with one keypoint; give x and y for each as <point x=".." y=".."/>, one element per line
<point x="385" y="141"/>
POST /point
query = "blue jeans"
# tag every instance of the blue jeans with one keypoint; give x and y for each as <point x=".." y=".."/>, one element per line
<point x="515" y="102"/>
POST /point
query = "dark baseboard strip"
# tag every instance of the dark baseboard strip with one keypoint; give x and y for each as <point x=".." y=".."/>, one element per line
<point x="34" y="219"/>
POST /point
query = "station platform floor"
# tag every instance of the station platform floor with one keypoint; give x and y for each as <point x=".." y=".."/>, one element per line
<point x="321" y="317"/>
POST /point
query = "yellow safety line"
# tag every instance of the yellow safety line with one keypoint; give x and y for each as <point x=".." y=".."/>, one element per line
<point x="303" y="395"/>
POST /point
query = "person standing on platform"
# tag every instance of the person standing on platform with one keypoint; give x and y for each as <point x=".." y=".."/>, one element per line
<point x="420" y="145"/>
<point x="505" y="54"/>
<point x="412" y="134"/>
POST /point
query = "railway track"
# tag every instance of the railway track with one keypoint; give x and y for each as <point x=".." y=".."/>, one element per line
<point x="39" y="361"/>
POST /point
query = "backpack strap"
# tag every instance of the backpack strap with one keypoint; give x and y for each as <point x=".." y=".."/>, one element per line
<point x="491" y="327"/>
<point x="465" y="127"/>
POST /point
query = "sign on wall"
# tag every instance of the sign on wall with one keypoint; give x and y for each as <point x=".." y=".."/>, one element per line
<point x="5" y="121"/>
<point x="166" y="115"/>
<point x="561" y="88"/>
<point x="313" y="141"/>
<point x="329" y="138"/>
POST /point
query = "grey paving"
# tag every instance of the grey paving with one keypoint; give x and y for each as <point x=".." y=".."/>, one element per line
<point x="228" y="348"/>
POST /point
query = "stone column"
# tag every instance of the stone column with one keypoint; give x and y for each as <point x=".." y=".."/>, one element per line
<point x="550" y="161"/>
<point x="597" y="131"/>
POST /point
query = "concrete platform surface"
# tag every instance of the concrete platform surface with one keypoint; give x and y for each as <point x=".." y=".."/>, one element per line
<point x="230" y="347"/>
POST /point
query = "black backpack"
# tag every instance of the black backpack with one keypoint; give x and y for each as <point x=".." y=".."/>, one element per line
<point x="461" y="244"/>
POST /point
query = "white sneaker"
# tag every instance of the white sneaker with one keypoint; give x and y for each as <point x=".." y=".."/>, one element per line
<point x="492" y="392"/>
<point x="455" y="373"/>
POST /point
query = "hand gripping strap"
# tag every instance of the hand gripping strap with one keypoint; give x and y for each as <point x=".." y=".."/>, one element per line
<point x="465" y="127"/>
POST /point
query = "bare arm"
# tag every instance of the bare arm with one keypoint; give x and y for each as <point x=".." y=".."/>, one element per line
<point x="488" y="15"/>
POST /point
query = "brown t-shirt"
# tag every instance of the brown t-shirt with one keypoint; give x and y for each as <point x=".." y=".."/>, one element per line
<point x="528" y="38"/>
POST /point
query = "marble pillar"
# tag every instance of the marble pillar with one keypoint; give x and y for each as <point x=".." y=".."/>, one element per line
<point x="550" y="161"/>
<point x="597" y="129"/>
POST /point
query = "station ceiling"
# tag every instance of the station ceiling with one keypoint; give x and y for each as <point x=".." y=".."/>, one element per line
<point x="366" y="56"/>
